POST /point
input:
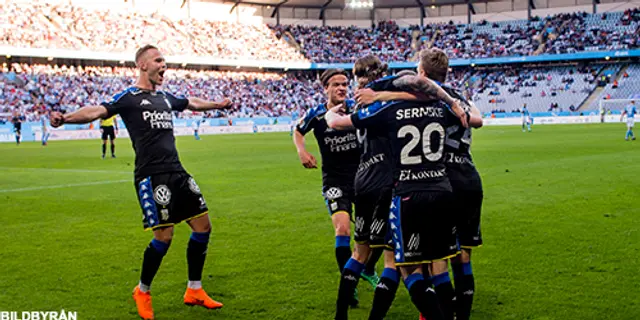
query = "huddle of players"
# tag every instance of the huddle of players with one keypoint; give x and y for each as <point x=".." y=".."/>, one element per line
<point x="413" y="143"/>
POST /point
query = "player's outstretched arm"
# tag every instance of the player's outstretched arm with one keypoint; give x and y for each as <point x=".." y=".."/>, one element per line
<point x="83" y="115"/>
<point x="306" y="158"/>
<point x="622" y="115"/>
<point x="475" y="117"/>
<point x="197" y="104"/>
<point x="338" y="121"/>
<point x="367" y="96"/>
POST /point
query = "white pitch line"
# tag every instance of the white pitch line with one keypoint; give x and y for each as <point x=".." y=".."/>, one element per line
<point x="64" y="186"/>
<point x="67" y="170"/>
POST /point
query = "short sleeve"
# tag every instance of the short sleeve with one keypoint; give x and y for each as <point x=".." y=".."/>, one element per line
<point x="371" y="116"/>
<point x="307" y="122"/>
<point x="177" y="103"/>
<point x="117" y="103"/>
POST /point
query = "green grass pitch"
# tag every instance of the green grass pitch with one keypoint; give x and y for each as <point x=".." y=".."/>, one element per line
<point x="560" y="224"/>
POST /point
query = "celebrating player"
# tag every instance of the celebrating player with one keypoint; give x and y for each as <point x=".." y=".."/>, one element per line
<point x="340" y="157"/>
<point x="109" y="129"/>
<point x="167" y="193"/>
<point x="467" y="190"/>
<point x="630" y="112"/>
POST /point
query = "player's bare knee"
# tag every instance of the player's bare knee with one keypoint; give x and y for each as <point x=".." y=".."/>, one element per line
<point x="201" y="224"/>
<point x="361" y="252"/>
<point x="389" y="259"/>
<point x="438" y="267"/>
<point x="341" y="223"/>
<point x="164" y="234"/>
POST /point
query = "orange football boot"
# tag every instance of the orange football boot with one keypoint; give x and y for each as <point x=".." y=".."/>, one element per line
<point x="143" y="303"/>
<point x="197" y="297"/>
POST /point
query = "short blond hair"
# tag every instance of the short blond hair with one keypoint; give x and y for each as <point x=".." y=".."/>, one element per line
<point x="143" y="50"/>
<point x="435" y="63"/>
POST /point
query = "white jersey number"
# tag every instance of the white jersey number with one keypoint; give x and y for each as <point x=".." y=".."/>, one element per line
<point x="414" y="132"/>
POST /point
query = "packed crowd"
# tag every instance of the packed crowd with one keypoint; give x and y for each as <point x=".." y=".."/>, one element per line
<point x="570" y="33"/>
<point x="36" y="88"/>
<point x="73" y="27"/>
<point x="66" y="26"/>
<point x="346" y="44"/>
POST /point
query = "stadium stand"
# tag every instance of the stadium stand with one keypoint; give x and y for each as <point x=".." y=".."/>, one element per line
<point x="36" y="25"/>
<point x="33" y="88"/>
<point x="624" y="86"/>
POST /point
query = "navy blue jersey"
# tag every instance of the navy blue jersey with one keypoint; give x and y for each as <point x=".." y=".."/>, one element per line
<point x="149" y="120"/>
<point x="462" y="172"/>
<point x="416" y="132"/>
<point x="339" y="149"/>
<point x="375" y="171"/>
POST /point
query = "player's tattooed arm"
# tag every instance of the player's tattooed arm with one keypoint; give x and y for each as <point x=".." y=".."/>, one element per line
<point x="83" y="115"/>
<point x="197" y="104"/>
<point x="431" y="89"/>
<point x="338" y="121"/>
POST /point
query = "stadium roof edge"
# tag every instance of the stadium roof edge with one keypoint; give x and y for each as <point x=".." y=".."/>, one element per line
<point x="340" y="4"/>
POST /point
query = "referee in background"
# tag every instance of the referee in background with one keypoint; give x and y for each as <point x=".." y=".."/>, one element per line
<point x="109" y="127"/>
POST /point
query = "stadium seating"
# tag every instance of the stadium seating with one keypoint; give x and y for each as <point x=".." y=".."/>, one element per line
<point x="67" y="26"/>
<point x="541" y="89"/>
<point x="628" y="87"/>
<point x="36" y="87"/>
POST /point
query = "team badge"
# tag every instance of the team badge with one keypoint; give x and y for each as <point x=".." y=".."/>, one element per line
<point x="359" y="224"/>
<point x="165" y="214"/>
<point x="333" y="193"/>
<point x="162" y="195"/>
<point x="193" y="186"/>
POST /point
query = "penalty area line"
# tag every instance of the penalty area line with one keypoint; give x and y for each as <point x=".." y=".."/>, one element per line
<point x="60" y="186"/>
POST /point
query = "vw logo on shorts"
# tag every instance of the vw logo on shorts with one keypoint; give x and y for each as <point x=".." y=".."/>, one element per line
<point x="194" y="186"/>
<point x="162" y="195"/>
<point x="333" y="193"/>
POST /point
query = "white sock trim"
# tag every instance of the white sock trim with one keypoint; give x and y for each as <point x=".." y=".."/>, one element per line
<point x="195" y="285"/>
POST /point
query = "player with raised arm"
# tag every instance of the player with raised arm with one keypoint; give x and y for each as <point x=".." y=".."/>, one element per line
<point x="167" y="193"/>
<point x="340" y="157"/>
<point x="109" y="129"/>
<point x="466" y="185"/>
<point x="630" y="112"/>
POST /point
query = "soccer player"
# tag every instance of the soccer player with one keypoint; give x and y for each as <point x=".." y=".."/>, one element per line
<point x="467" y="190"/>
<point x="16" y="119"/>
<point x="109" y="129"/>
<point x="45" y="128"/>
<point x="340" y="158"/>
<point x="630" y="112"/>
<point x="421" y="229"/>
<point x="196" y="126"/>
<point x="167" y="193"/>
<point x="373" y="185"/>
<point x="526" y="118"/>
